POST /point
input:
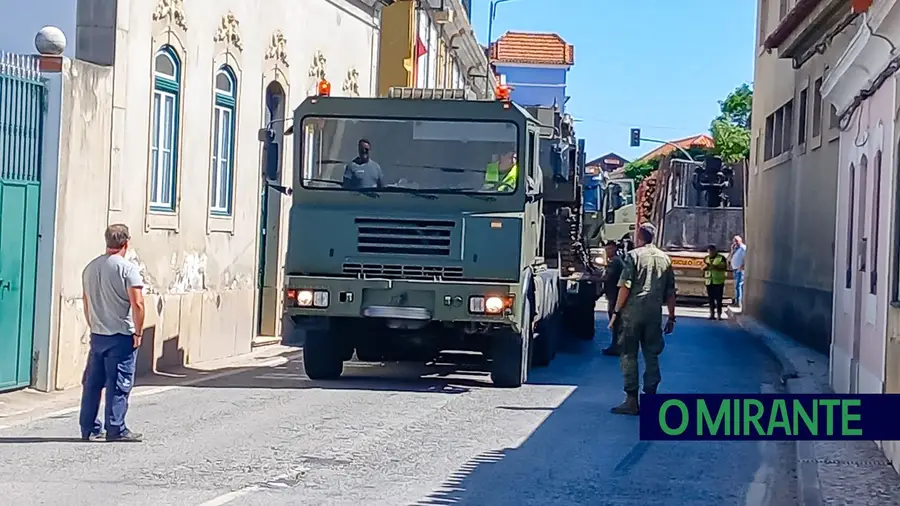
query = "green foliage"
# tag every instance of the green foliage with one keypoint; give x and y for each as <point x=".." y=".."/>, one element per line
<point x="731" y="130"/>
<point x="639" y="169"/>
<point x="732" y="141"/>
<point x="737" y="106"/>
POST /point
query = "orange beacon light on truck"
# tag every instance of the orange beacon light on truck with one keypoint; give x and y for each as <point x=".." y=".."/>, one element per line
<point x="324" y="88"/>
<point x="502" y="92"/>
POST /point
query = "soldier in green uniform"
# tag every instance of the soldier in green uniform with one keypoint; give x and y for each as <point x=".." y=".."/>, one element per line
<point x="647" y="282"/>
<point x="614" y="267"/>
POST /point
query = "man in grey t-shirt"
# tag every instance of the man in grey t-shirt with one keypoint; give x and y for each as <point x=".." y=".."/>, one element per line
<point x="362" y="172"/>
<point x="114" y="310"/>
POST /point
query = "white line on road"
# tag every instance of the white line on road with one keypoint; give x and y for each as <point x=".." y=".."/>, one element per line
<point x="230" y="496"/>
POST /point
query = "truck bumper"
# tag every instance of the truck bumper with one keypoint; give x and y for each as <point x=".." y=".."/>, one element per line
<point x="402" y="299"/>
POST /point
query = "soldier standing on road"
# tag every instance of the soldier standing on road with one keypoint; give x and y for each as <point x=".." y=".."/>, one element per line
<point x="614" y="266"/>
<point x="114" y="310"/>
<point x="647" y="282"/>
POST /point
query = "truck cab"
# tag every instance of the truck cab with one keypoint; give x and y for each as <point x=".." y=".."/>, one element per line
<point x="403" y="243"/>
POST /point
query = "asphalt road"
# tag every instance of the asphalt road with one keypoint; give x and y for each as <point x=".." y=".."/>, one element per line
<point x="390" y="435"/>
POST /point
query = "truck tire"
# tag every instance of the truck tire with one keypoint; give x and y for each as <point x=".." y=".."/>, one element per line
<point x="546" y="341"/>
<point x="510" y="352"/>
<point x="323" y="355"/>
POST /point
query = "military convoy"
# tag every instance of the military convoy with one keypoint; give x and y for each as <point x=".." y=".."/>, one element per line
<point x="434" y="258"/>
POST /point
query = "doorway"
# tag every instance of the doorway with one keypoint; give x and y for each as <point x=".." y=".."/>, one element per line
<point x="268" y="290"/>
<point x="860" y="288"/>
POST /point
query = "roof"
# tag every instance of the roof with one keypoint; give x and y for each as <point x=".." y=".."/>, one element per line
<point x="604" y="160"/>
<point x="699" y="141"/>
<point x="532" y="47"/>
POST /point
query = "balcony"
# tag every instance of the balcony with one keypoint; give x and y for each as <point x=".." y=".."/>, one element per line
<point x="805" y="25"/>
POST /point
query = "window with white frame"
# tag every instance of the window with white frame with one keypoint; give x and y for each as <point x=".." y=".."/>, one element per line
<point x="163" y="177"/>
<point x="222" y="167"/>
<point x="876" y="225"/>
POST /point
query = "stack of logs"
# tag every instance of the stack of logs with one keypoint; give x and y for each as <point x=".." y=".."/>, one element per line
<point x="646" y="199"/>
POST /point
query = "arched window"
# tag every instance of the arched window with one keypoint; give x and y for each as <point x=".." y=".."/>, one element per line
<point x="851" y="215"/>
<point x="164" y="132"/>
<point x="222" y="172"/>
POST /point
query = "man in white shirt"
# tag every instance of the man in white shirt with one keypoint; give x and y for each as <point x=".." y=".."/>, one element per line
<point x="738" y="251"/>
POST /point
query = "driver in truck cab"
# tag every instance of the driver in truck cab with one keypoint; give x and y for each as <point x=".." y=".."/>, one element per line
<point x="501" y="174"/>
<point x="362" y="171"/>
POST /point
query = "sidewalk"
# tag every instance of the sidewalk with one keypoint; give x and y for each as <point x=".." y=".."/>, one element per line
<point x="23" y="406"/>
<point x="828" y="472"/>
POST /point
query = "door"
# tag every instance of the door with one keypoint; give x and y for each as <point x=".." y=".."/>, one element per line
<point x="21" y="126"/>
<point x="860" y="276"/>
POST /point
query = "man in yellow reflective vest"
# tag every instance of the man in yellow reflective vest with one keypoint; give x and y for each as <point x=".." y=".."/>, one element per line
<point x="715" y="269"/>
<point x="502" y="175"/>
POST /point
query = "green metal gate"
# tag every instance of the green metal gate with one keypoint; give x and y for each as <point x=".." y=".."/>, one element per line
<point x="22" y="93"/>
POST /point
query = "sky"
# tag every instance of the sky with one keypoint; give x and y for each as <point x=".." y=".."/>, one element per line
<point x="658" y="65"/>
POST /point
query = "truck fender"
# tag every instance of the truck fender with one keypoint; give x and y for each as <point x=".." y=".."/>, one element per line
<point x="547" y="294"/>
<point x="528" y="289"/>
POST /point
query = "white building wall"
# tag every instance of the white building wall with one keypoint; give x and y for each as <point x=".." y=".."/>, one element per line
<point x="201" y="270"/>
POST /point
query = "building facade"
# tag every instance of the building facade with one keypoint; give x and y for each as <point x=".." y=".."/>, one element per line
<point x="865" y="353"/>
<point x="430" y="44"/>
<point x="156" y="127"/>
<point x="793" y="174"/>
<point x="534" y="66"/>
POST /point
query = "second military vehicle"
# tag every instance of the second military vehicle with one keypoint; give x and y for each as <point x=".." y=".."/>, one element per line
<point x="416" y="227"/>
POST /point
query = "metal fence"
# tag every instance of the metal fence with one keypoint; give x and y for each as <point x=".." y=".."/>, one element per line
<point x="22" y="99"/>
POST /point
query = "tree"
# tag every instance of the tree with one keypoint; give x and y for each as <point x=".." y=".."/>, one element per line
<point x="736" y="107"/>
<point x="731" y="130"/>
<point x="639" y="169"/>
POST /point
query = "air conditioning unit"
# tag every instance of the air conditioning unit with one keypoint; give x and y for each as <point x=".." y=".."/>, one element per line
<point x="443" y="17"/>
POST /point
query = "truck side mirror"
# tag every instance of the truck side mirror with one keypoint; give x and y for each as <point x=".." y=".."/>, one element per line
<point x="265" y="135"/>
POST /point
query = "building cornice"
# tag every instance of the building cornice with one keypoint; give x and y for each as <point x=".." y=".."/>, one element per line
<point x="500" y="63"/>
<point x="470" y="54"/>
<point x="868" y="54"/>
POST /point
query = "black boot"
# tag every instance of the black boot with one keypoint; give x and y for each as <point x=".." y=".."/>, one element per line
<point x="629" y="407"/>
<point x="611" y="351"/>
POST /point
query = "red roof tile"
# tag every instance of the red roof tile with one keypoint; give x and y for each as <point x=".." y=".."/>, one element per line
<point x="700" y="141"/>
<point x="536" y="48"/>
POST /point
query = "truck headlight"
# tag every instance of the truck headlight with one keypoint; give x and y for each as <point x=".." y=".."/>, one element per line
<point x="307" y="298"/>
<point x="304" y="297"/>
<point x="492" y="304"/>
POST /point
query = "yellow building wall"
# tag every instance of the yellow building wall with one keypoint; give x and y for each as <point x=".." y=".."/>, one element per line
<point x="397" y="46"/>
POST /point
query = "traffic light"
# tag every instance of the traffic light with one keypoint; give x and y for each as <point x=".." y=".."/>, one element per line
<point x="635" y="137"/>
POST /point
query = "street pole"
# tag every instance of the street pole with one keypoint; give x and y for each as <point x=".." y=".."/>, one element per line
<point x="676" y="146"/>
<point x="490" y="51"/>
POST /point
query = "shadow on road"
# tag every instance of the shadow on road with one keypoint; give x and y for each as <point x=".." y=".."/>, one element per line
<point x="32" y="440"/>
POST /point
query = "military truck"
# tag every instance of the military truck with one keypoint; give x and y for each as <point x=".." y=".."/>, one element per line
<point x="434" y="259"/>
<point x="565" y="244"/>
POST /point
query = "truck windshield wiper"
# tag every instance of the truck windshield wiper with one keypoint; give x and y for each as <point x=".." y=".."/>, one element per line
<point x="368" y="192"/>
<point x="462" y="191"/>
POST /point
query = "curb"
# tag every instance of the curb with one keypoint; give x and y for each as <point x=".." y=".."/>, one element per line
<point x="809" y="491"/>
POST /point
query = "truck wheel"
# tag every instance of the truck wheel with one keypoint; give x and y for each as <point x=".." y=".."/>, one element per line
<point x="546" y="341"/>
<point x="323" y="355"/>
<point x="510" y="353"/>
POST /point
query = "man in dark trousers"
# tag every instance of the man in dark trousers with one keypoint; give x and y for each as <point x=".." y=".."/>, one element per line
<point x="647" y="282"/>
<point x="362" y="172"/>
<point x="114" y="310"/>
<point x="614" y="266"/>
<point x="715" y="267"/>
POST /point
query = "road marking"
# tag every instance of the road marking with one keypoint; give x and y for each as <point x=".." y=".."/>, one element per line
<point x="231" y="496"/>
<point x="278" y="482"/>
<point x="270" y="362"/>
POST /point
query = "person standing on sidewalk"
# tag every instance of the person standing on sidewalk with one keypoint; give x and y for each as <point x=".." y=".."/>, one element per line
<point x="614" y="266"/>
<point x="114" y="310"/>
<point x="647" y="282"/>
<point x="715" y="267"/>
<point x="738" y="252"/>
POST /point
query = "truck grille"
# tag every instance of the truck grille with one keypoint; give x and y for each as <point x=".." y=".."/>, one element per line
<point x="402" y="271"/>
<point x="404" y="237"/>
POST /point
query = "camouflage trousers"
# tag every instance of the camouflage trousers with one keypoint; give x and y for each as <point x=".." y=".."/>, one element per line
<point x="644" y="334"/>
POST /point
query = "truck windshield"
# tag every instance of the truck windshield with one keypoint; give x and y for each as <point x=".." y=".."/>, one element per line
<point x="436" y="156"/>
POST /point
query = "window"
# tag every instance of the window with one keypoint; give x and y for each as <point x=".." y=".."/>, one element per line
<point x="833" y="119"/>
<point x="801" y="127"/>
<point x="895" y="298"/>
<point x="876" y="206"/>
<point x="222" y="169"/>
<point x="164" y="131"/>
<point x="779" y="126"/>
<point x="817" y="108"/>
<point x="763" y="21"/>
<point x="851" y="215"/>
<point x="782" y="9"/>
